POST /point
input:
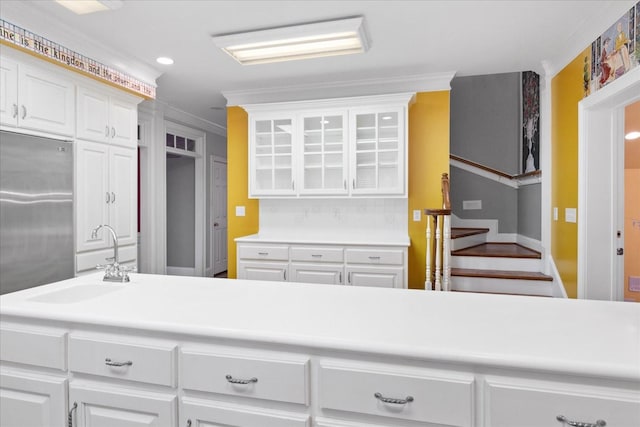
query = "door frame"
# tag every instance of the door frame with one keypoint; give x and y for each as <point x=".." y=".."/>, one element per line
<point x="212" y="203"/>
<point x="200" y="191"/>
<point x="600" y="128"/>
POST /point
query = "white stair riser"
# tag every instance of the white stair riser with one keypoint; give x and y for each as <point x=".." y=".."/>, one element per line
<point x="468" y="241"/>
<point x="508" y="286"/>
<point x="496" y="263"/>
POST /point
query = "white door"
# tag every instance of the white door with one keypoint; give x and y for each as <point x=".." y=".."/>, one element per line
<point x="267" y="271"/>
<point x="317" y="273"/>
<point x="123" y="168"/>
<point x="214" y="414"/>
<point x="120" y="407"/>
<point x="8" y="92"/>
<point x="380" y="277"/>
<point x="32" y="401"/>
<point x="219" y="214"/>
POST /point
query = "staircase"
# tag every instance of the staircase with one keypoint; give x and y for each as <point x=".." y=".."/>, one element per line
<point x="488" y="267"/>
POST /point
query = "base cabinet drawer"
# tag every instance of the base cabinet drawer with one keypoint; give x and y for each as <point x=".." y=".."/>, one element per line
<point x="271" y="253"/>
<point x="201" y="413"/>
<point x="46" y="348"/>
<point x="282" y="379"/>
<point x="525" y="403"/>
<point x="97" y="405"/>
<point x="135" y="362"/>
<point x="436" y="397"/>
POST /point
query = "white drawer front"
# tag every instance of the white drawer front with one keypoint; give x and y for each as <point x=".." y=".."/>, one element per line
<point x="511" y="402"/>
<point x="210" y="414"/>
<point x="280" y="380"/>
<point x="277" y="253"/>
<point x="135" y="362"/>
<point x="446" y="399"/>
<point x="40" y="348"/>
<point x="319" y="254"/>
<point x="372" y="256"/>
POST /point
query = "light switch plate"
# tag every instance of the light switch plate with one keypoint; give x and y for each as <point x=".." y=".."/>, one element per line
<point x="570" y="215"/>
<point x="555" y="214"/>
<point x="240" y="211"/>
<point x="416" y="215"/>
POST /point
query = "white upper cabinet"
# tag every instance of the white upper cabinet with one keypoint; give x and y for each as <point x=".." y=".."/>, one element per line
<point x="331" y="147"/>
<point x="271" y="157"/>
<point x="105" y="118"/>
<point x="36" y="99"/>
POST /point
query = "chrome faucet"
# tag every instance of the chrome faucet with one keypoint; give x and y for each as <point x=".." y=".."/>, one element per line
<point x="113" y="272"/>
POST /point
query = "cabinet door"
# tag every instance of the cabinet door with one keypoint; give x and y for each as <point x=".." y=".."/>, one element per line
<point x="378" y="151"/>
<point x="46" y="101"/>
<point x="316" y="273"/>
<point x="93" y="115"/>
<point x="270" y="271"/>
<point x="120" y="407"/>
<point x="198" y="413"/>
<point x="271" y="157"/>
<point x="92" y="194"/>
<point x="8" y="92"/>
<point x="123" y="208"/>
<point x="32" y="400"/>
<point x="380" y="277"/>
<point x="324" y="154"/>
<point x="123" y="119"/>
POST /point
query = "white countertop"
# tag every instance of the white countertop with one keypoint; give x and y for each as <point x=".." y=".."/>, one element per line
<point x="328" y="238"/>
<point x="593" y="338"/>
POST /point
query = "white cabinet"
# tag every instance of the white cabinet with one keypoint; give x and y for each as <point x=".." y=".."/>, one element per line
<point x="349" y="147"/>
<point x="102" y="405"/>
<point x="105" y="118"/>
<point x="106" y="179"/>
<point x="35" y="98"/>
<point x="324" y="264"/>
<point x="271" y="159"/>
<point x="32" y="399"/>
<point x="204" y="413"/>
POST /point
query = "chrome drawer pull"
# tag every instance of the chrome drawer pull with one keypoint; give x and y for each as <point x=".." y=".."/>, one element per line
<point x="70" y="414"/>
<point x="598" y="423"/>
<point x="241" y="381"/>
<point x="109" y="362"/>
<point x="263" y="253"/>
<point x="404" y="401"/>
<point x="316" y="255"/>
<point x="374" y="257"/>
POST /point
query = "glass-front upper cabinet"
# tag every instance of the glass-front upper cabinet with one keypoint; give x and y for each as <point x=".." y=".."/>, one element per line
<point x="324" y="154"/>
<point x="377" y="151"/>
<point x="271" y="156"/>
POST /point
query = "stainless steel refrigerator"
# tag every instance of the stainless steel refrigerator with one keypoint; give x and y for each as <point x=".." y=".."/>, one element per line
<point x="36" y="211"/>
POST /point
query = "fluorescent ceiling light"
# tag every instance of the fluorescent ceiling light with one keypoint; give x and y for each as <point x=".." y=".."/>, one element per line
<point x="632" y="135"/>
<point x="341" y="37"/>
<point x="82" y="7"/>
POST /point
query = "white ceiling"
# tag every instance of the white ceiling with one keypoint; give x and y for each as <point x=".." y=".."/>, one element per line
<point x="407" y="38"/>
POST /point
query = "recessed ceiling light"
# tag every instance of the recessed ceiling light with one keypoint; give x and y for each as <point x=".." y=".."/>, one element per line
<point x="82" y="7"/>
<point x="632" y="135"/>
<point x="164" y="60"/>
<point x="340" y="37"/>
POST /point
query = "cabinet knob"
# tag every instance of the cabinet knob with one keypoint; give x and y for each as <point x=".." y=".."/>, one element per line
<point x="564" y="420"/>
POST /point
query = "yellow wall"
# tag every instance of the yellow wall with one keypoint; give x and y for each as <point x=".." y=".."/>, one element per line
<point x="566" y="91"/>
<point x="238" y="184"/>
<point x="428" y="159"/>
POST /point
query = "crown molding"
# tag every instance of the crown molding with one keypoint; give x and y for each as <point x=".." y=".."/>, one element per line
<point x="178" y="116"/>
<point x="340" y="89"/>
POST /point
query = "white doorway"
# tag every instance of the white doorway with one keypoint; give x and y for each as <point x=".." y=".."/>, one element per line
<point x="185" y="201"/>
<point x="601" y="188"/>
<point x="218" y="226"/>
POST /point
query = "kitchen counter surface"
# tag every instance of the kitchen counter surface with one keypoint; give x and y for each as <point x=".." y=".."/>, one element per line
<point x="328" y="238"/>
<point x="592" y="338"/>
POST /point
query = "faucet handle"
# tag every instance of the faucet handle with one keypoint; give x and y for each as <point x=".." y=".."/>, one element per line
<point x="129" y="269"/>
<point x="110" y="259"/>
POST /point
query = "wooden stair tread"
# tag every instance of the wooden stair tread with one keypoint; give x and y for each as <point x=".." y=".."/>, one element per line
<point x="503" y="250"/>
<point x="459" y="232"/>
<point x="503" y="293"/>
<point x="501" y="274"/>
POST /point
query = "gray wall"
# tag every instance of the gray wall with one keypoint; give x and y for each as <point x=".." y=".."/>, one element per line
<point x="529" y="211"/>
<point x="499" y="201"/>
<point x="181" y="197"/>
<point x="485" y="120"/>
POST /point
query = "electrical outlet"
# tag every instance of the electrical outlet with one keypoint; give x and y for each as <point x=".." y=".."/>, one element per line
<point x="570" y="215"/>
<point x="416" y="215"/>
<point x="470" y="205"/>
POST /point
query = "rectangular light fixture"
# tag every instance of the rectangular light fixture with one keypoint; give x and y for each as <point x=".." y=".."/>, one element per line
<point x="329" y="38"/>
<point x="82" y="7"/>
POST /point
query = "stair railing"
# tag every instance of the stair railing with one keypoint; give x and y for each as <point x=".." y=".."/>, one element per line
<point x="438" y="278"/>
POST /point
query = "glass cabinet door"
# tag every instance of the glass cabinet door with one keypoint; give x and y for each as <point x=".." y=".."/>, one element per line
<point x="377" y="163"/>
<point x="273" y="157"/>
<point x="324" y="169"/>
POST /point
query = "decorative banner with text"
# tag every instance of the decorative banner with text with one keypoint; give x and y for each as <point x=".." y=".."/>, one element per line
<point x="40" y="46"/>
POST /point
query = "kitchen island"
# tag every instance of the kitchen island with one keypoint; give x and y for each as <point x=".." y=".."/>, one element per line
<point x="180" y="351"/>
